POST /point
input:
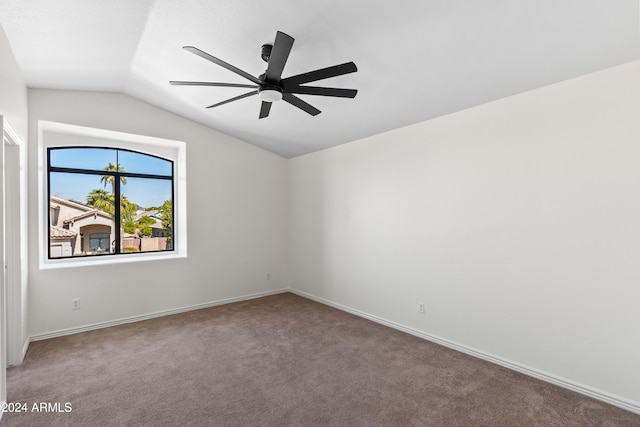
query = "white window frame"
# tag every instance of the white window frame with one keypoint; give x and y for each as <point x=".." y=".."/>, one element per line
<point x="54" y="134"/>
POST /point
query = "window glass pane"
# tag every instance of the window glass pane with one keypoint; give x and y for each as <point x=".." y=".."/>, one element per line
<point x="146" y="193"/>
<point x="80" y="216"/>
<point x="147" y="215"/>
<point x="143" y="163"/>
<point x="75" y="186"/>
<point x="82" y="220"/>
<point x="82" y="158"/>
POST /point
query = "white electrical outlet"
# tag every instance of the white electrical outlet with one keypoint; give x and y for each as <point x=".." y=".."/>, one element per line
<point x="75" y="304"/>
<point x="421" y="307"/>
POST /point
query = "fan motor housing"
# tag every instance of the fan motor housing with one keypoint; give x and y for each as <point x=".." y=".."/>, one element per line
<point x="265" y="53"/>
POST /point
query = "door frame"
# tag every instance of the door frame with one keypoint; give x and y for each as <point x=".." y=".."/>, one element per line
<point x="13" y="248"/>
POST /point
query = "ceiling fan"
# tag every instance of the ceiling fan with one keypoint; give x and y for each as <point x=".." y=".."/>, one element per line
<point x="270" y="86"/>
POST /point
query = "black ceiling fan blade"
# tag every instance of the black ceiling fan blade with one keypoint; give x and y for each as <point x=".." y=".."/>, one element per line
<point x="221" y="63"/>
<point x="297" y="102"/>
<point x="278" y="58"/>
<point x="321" y="74"/>
<point x="235" y="98"/>
<point x="181" y="83"/>
<point x="325" y="91"/>
<point x="264" y="109"/>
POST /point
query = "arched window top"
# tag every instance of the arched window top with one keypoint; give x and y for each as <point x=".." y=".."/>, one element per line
<point x="130" y="162"/>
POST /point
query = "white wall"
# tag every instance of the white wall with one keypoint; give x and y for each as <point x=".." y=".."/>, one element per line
<point x="517" y="223"/>
<point x="13" y="91"/>
<point x="236" y="214"/>
<point x="13" y="110"/>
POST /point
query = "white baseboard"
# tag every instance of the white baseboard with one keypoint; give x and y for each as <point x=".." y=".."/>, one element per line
<point x="100" y="325"/>
<point x="561" y="382"/>
<point x="25" y="348"/>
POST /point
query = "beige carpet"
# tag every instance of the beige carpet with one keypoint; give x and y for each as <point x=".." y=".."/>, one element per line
<point x="279" y="361"/>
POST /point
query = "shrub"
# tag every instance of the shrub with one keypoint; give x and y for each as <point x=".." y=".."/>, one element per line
<point x="129" y="227"/>
<point x="145" y="231"/>
<point x="146" y="220"/>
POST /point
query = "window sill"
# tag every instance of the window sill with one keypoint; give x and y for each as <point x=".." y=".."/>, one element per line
<point x="107" y="260"/>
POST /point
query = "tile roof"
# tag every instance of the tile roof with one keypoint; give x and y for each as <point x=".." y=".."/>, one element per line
<point x="94" y="212"/>
<point x="61" y="233"/>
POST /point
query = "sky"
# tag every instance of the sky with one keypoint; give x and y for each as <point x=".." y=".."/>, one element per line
<point x="144" y="192"/>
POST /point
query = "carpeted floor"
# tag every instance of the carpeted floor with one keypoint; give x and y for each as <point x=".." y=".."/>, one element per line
<point x="279" y="361"/>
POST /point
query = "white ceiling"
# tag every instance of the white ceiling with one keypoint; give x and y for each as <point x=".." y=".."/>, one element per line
<point x="416" y="59"/>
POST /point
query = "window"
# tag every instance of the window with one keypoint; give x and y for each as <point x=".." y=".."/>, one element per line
<point x="109" y="196"/>
<point x="112" y="209"/>
<point x="99" y="242"/>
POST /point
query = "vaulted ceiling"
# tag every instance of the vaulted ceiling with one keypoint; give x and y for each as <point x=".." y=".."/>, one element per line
<point x="416" y="59"/>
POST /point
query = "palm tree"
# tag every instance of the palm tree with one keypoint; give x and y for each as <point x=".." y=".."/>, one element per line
<point x="101" y="199"/>
<point x="108" y="179"/>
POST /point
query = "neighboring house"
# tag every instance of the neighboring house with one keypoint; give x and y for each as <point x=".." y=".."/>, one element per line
<point x="61" y="241"/>
<point x="157" y="229"/>
<point x="78" y="229"/>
